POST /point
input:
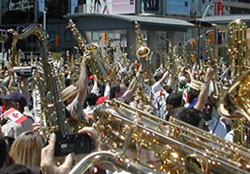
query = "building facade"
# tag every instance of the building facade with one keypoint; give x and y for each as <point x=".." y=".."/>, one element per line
<point x="18" y="14"/>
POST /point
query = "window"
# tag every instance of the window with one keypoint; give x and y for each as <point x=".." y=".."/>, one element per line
<point x="68" y="36"/>
<point x="95" y="36"/>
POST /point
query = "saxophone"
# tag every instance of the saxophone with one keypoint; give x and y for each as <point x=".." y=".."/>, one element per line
<point x="175" y="147"/>
<point x="95" y="63"/>
<point x="53" y="107"/>
<point x="235" y="102"/>
<point x="212" y="62"/>
<point x="143" y="51"/>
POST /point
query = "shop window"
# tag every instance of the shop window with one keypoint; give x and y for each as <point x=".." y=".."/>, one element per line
<point x="67" y="36"/>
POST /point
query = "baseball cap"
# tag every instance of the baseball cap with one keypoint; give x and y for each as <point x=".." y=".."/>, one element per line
<point x="16" y="97"/>
<point x="101" y="100"/>
<point x="91" y="77"/>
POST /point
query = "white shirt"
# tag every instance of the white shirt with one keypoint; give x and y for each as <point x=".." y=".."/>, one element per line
<point x="90" y="110"/>
<point x="12" y="129"/>
<point x="156" y="87"/>
<point x="230" y="136"/>
<point x="76" y="110"/>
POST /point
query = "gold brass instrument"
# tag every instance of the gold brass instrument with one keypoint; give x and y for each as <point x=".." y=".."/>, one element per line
<point x="101" y="71"/>
<point x="95" y="64"/>
<point x="118" y="160"/>
<point x="175" y="147"/>
<point x="15" y="59"/>
<point x="54" y="110"/>
<point x="213" y="62"/>
<point x="143" y="54"/>
<point x="237" y="46"/>
<point x="235" y="102"/>
<point x="142" y="51"/>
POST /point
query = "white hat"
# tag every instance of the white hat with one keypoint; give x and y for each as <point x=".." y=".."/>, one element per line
<point x="68" y="92"/>
<point x="182" y="80"/>
<point x="195" y="84"/>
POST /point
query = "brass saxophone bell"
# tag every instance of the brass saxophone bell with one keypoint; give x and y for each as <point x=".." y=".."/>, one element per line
<point x="92" y="48"/>
<point x="143" y="52"/>
<point x="235" y="102"/>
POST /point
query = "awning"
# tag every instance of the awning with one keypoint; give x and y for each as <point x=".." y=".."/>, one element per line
<point x="225" y="20"/>
<point x="97" y="22"/>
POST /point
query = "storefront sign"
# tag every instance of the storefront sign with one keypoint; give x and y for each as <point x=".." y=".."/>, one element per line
<point x="123" y="7"/>
<point x="189" y="7"/>
<point x="21" y="5"/>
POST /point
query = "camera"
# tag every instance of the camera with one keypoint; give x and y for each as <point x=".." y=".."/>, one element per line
<point x="24" y="70"/>
<point x="76" y="143"/>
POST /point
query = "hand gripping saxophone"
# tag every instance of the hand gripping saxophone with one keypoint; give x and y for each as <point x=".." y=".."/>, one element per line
<point x="95" y="63"/>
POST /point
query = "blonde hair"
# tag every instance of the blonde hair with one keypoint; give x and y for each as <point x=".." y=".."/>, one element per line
<point x="26" y="149"/>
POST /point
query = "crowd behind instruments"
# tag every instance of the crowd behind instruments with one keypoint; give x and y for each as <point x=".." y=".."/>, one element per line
<point x="185" y="116"/>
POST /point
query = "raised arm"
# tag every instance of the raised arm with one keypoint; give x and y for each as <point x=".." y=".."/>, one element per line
<point x="164" y="77"/>
<point x="205" y="89"/>
<point x="82" y="83"/>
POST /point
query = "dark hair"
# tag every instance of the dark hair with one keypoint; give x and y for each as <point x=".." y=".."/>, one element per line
<point x="193" y="94"/>
<point x="9" y="141"/>
<point x="174" y="99"/>
<point x="113" y="90"/>
<point x="91" y="99"/>
<point x="187" y="115"/>
<point x="158" y="76"/>
<point x="168" y="89"/>
<point x="3" y="151"/>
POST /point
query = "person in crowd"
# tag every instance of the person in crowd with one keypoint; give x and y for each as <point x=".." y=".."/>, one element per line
<point x="17" y="101"/>
<point x="213" y="121"/>
<point x="9" y="141"/>
<point x="26" y="149"/>
<point x="91" y="105"/>
<point x="48" y="165"/>
<point x="174" y="100"/>
<point x="4" y="154"/>
<point x="160" y="79"/>
<point x="7" y="165"/>
<point x="206" y="105"/>
<point x="124" y="93"/>
<point x="182" y="83"/>
<point x="74" y="96"/>
<point x="191" y="116"/>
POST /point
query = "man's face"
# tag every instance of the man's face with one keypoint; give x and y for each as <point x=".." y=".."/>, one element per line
<point x="71" y="98"/>
<point x="169" y="107"/>
<point x="10" y="104"/>
<point x="208" y="108"/>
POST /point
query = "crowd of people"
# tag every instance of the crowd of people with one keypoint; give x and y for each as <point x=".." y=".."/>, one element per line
<point x="185" y="96"/>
